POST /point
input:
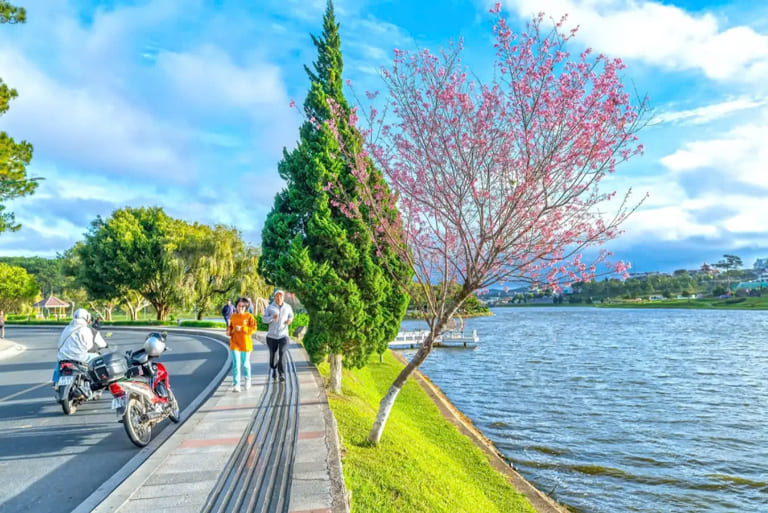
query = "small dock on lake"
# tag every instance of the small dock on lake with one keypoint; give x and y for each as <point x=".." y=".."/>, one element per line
<point x="453" y="339"/>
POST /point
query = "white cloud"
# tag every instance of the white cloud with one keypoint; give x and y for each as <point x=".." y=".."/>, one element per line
<point x="709" y="113"/>
<point x="738" y="155"/>
<point x="209" y="78"/>
<point x="662" y="35"/>
<point x="712" y="187"/>
<point x="94" y="127"/>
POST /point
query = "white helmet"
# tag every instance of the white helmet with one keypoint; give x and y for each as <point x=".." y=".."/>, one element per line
<point x="154" y="344"/>
<point x="82" y="313"/>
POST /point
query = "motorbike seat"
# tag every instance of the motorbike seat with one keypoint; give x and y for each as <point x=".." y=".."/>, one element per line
<point x="138" y="357"/>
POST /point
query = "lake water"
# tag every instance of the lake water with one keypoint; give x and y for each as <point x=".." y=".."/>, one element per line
<point x="621" y="410"/>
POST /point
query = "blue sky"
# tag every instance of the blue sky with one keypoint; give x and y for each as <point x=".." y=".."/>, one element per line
<point x="185" y="105"/>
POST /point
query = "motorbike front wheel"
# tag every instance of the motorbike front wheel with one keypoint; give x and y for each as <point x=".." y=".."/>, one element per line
<point x="138" y="430"/>
<point x="175" y="414"/>
<point x="65" y="398"/>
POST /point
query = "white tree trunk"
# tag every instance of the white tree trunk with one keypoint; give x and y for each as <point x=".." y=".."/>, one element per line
<point x="385" y="407"/>
<point x="388" y="401"/>
<point x="334" y="359"/>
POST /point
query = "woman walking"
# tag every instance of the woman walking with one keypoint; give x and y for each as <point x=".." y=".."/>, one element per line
<point x="279" y="316"/>
<point x="241" y="326"/>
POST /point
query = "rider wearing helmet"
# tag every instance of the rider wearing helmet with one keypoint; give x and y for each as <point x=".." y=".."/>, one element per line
<point x="77" y="341"/>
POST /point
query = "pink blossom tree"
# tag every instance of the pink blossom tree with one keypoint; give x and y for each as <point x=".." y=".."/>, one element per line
<point x="495" y="182"/>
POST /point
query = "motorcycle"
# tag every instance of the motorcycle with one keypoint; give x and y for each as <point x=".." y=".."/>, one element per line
<point x="80" y="382"/>
<point x="143" y="397"/>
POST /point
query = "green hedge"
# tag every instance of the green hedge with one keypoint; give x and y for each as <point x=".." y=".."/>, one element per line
<point x="153" y="322"/>
<point x="18" y="317"/>
<point x="47" y="322"/>
<point x="64" y="322"/>
<point x="203" y="324"/>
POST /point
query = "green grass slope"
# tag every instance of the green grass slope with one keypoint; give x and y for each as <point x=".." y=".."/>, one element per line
<point x="423" y="463"/>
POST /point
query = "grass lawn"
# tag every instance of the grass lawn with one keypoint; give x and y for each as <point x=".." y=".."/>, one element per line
<point x="423" y="463"/>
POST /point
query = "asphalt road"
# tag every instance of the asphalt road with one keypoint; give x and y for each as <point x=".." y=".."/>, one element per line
<point x="52" y="462"/>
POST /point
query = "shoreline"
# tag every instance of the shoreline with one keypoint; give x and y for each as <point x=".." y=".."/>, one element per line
<point x="713" y="304"/>
<point x="541" y="502"/>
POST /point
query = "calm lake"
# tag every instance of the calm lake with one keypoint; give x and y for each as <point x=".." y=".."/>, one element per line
<point x="621" y="410"/>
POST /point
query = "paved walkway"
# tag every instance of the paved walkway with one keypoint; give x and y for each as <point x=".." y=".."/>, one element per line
<point x="272" y="448"/>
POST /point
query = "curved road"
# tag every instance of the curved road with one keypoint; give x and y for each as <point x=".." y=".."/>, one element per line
<point x="52" y="462"/>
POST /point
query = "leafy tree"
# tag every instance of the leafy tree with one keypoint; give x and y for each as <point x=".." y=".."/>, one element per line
<point x="313" y="249"/>
<point x="219" y="264"/>
<point x="729" y="262"/>
<point x="47" y="271"/>
<point x="496" y="181"/>
<point x="12" y="14"/>
<point x="14" y="157"/>
<point x="17" y="287"/>
<point x="135" y="249"/>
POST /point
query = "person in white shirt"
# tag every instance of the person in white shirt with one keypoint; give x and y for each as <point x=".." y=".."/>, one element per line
<point x="279" y="316"/>
<point x="77" y="341"/>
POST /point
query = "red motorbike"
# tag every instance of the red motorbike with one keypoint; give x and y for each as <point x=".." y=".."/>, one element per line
<point x="143" y="397"/>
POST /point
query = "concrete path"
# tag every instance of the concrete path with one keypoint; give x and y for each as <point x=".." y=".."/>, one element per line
<point x="272" y="448"/>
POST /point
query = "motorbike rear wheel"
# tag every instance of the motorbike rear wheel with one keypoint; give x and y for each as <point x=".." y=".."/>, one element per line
<point x="175" y="414"/>
<point x="65" y="397"/>
<point x="140" y="432"/>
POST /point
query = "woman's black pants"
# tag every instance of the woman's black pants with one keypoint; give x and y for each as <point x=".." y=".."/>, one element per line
<point x="277" y="347"/>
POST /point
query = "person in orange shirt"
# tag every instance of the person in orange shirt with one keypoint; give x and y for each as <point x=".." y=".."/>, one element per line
<point x="241" y="326"/>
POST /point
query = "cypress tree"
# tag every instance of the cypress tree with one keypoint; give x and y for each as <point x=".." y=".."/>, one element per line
<point x="349" y="288"/>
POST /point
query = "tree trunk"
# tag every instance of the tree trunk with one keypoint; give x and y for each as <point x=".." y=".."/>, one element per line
<point x="388" y="401"/>
<point x="334" y="359"/>
<point x="200" y="315"/>
<point x="162" y="310"/>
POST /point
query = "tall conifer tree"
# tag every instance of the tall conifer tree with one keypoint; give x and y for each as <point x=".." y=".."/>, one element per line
<point x="310" y="247"/>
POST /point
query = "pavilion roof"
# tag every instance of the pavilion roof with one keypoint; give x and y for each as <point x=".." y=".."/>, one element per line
<point x="51" y="302"/>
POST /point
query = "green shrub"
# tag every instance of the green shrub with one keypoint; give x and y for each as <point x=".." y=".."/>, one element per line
<point x="203" y="324"/>
<point x="152" y="322"/>
<point x="47" y="322"/>
<point x="18" y="317"/>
